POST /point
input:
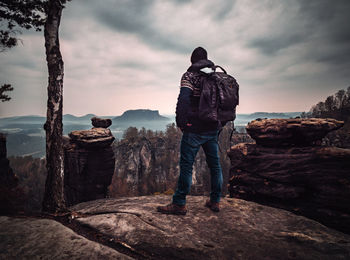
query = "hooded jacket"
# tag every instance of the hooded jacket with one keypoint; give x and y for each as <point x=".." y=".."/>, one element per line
<point x="188" y="100"/>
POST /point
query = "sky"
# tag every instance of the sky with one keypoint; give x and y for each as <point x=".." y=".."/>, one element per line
<point x="131" y="54"/>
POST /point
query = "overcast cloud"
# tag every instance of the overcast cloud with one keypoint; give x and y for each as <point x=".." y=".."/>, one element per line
<point x="129" y="54"/>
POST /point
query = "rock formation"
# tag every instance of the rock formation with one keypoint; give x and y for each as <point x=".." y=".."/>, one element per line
<point x="289" y="132"/>
<point x="285" y="170"/>
<point x="145" y="166"/>
<point x="100" y="122"/>
<point x="89" y="163"/>
<point x="8" y="180"/>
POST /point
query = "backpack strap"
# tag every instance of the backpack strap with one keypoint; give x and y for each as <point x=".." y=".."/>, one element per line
<point x="217" y="66"/>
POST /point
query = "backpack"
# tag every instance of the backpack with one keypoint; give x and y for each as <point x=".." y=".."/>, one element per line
<point x="219" y="97"/>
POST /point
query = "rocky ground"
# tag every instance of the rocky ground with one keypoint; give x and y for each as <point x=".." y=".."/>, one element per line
<point x="131" y="227"/>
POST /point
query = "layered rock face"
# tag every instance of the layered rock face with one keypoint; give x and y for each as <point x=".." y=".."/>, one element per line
<point x="89" y="163"/>
<point x="284" y="169"/>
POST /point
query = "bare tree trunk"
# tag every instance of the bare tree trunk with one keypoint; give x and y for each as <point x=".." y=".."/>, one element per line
<point x="54" y="194"/>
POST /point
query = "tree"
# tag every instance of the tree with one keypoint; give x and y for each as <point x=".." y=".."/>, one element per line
<point x="340" y="97"/>
<point x="131" y="134"/>
<point x="53" y="201"/>
<point x="33" y="14"/>
<point x="4" y="88"/>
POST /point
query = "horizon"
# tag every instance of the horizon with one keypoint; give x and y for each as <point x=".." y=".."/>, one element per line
<point x="291" y="56"/>
<point x="162" y="114"/>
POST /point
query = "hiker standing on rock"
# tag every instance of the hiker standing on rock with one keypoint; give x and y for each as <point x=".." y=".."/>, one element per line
<point x="200" y="123"/>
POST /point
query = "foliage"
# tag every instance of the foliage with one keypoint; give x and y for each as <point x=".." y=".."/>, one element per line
<point x="336" y="106"/>
<point x="15" y="14"/>
<point x="31" y="173"/>
<point x="5" y="88"/>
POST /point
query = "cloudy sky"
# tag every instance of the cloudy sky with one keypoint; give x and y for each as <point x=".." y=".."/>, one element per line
<point x="130" y="54"/>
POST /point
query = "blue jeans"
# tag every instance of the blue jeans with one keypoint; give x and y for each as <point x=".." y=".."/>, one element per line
<point x="190" y="145"/>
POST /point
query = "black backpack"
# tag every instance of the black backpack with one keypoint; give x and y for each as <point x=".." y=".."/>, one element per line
<point x="219" y="97"/>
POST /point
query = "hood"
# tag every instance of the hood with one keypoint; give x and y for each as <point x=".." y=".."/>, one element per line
<point x="202" y="65"/>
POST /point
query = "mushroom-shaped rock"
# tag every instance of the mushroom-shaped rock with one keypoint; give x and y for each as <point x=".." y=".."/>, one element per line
<point x="289" y="132"/>
<point x="92" y="138"/>
<point x="100" y="122"/>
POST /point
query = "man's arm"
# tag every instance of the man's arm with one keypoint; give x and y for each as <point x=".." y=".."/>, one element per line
<point x="184" y="100"/>
<point x="183" y="106"/>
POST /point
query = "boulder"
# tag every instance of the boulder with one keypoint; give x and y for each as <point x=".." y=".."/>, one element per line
<point x="287" y="132"/>
<point x="92" y="138"/>
<point x="30" y="238"/>
<point x="241" y="230"/>
<point x="100" y="122"/>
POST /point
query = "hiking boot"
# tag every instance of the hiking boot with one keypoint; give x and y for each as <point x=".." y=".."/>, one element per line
<point x="172" y="209"/>
<point x="214" y="206"/>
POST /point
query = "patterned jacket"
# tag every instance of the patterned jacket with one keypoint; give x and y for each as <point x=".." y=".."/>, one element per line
<point x="188" y="100"/>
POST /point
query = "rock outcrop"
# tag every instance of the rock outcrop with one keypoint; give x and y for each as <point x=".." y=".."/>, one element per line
<point x="132" y="226"/>
<point x="241" y="230"/>
<point x="30" y="238"/>
<point x="89" y="163"/>
<point x="290" y="173"/>
<point x="289" y="132"/>
<point x="8" y="180"/>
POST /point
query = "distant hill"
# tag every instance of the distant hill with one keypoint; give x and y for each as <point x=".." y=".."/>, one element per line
<point x="140" y="115"/>
<point x="23" y="119"/>
<point x="72" y="118"/>
<point x="270" y="115"/>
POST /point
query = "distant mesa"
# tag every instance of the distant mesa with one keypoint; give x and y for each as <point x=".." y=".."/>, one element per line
<point x="140" y="115"/>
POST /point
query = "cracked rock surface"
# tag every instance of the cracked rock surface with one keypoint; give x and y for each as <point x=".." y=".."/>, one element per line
<point x="30" y="238"/>
<point x="241" y="230"/>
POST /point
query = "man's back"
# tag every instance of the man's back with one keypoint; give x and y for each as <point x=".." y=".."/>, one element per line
<point x="187" y="117"/>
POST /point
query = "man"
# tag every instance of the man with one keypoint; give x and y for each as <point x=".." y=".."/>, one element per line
<point x="196" y="133"/>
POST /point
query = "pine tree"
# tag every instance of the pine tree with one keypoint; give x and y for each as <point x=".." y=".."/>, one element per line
<point x="5" y="88"/>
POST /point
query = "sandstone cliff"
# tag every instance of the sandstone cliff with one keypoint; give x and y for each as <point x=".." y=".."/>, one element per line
<point x="287" y="169"/>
